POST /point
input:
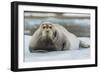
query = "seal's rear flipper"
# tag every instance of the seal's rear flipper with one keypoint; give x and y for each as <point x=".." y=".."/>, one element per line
<point x="84" y="44"/>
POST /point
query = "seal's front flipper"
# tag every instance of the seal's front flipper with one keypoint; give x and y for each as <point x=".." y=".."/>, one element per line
<point x="84" y="44"/>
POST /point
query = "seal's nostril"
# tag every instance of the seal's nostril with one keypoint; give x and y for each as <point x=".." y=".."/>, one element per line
<point x="47" y="31"/>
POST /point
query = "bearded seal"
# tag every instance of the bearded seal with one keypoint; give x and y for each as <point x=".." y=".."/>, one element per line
<point x="53" y="37"/>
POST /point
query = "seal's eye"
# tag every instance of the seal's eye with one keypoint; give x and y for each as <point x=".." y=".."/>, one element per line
<point x="44" y="27"/>
<point x="50" y="27"/>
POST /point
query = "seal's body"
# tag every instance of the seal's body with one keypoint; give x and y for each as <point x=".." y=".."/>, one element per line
<point x="53" y="37"/>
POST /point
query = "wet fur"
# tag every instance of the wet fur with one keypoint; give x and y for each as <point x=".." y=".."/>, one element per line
<point x="59" y="39"/>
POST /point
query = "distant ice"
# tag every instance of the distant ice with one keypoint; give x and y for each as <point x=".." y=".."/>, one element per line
<point x="83" y="53"/>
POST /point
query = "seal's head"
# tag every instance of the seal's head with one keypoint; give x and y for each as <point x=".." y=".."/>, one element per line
<point x="47" y="31"/>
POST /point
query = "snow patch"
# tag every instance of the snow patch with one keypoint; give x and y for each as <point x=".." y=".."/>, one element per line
<point x="82" y="53"/>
